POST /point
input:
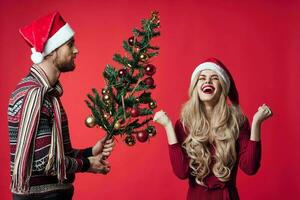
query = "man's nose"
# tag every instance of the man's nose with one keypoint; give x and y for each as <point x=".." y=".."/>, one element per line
<point x="75" y="50"/>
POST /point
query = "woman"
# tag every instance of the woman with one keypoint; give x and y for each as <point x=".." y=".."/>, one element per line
<point x="213" y="137"/>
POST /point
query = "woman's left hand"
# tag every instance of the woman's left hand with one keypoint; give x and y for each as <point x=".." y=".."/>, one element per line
<point x="263" y="113"/>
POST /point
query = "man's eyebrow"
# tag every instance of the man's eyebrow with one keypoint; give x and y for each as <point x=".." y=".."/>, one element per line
<point x="71" y="41"/>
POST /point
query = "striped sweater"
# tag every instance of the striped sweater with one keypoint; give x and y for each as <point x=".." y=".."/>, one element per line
<point x="75" y="160"/>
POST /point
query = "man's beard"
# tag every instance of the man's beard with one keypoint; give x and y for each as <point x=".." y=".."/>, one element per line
<point x="66" y="66"/>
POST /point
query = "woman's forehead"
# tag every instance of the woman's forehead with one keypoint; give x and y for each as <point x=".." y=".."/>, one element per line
<point x="207" y="72"/>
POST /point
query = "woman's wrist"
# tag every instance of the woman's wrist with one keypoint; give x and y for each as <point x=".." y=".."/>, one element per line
<point x="255" y="130"/>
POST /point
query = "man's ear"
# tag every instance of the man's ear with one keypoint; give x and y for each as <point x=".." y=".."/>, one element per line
<point x="51" y="55"/>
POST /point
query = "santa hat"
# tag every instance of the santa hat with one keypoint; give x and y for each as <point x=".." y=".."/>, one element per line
<point x="45" y="35"/>
<point x="218" y="67"/>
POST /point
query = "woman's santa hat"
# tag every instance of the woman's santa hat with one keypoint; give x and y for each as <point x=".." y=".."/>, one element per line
<point x="218" y="67"/>
<point x="45" y="35"/>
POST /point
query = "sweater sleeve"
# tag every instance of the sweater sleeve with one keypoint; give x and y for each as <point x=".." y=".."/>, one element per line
<point x="249" y="151"/>
<point x="178" y="156"/>
<point x="76" y="164"/>
<point x="82" y="153"/>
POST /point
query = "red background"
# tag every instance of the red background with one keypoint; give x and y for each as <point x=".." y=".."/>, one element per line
<point x="257" y="40"/>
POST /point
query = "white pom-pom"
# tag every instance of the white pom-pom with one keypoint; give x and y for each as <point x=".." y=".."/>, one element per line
<point x="37" y="57"/>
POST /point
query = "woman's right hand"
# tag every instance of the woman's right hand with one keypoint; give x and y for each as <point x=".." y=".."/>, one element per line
<point x="161" y="118"/>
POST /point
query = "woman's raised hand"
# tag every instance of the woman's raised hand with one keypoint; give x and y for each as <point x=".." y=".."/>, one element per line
<point x="263" y="113"/>
<point x="161" y="118"/>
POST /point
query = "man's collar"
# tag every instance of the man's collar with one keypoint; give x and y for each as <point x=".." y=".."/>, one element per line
<point x="41" y="76"/>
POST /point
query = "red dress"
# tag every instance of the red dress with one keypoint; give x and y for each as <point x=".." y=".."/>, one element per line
<point x="248" y="159"/>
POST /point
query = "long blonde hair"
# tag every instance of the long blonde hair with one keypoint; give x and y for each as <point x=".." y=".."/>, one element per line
<point x="221" y="132"/>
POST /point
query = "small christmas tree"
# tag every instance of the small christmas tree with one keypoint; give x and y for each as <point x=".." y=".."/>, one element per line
<point x="125" y="105"/>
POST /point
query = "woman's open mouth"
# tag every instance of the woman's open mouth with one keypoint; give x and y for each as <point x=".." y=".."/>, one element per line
<point x="208" y="89"/>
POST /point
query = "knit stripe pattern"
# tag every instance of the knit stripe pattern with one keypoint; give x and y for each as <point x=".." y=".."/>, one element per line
<point x="42" y="140"/>
<point x="29" y="121"/>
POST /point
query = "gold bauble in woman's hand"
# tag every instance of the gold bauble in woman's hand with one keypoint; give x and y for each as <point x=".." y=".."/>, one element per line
<point x="90" y="121"/>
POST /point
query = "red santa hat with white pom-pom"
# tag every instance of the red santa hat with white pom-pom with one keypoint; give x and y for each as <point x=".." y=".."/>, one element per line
<point x="45" y="35"/>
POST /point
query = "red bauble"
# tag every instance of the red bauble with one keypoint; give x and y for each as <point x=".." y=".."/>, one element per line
<point x="122" y="72"/>
<point x="131" y="41"/>
<point x="134" y="112"/>
<point x="150" y="69"/>
<point x="149" y="81"/>
<point x="142" y="136"/>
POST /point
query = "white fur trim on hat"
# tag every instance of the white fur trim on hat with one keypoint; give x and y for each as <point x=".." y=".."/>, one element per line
<point x="214" y="67"/>
<point x="64" y="34"/>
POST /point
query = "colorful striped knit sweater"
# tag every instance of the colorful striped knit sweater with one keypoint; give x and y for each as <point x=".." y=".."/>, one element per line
<point x="75" y="160"/>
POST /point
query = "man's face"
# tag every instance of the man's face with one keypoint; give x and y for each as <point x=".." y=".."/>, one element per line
<point x="66" y="55"/>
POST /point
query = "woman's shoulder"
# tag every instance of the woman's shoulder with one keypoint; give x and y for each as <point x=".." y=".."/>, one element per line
<point x="244" y="130"/>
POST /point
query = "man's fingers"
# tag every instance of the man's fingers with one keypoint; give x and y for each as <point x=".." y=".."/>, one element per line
<point x="107" y="149"/>
<point x="106" y="154"/>
<point x="109" y="145"/>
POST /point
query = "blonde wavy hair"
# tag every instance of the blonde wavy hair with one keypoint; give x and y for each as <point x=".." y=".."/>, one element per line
<point x="221" y="131"/>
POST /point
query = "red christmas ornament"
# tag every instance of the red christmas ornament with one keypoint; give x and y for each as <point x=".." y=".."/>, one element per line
<point x="131" y="41"/>
<point x="150" y="69"/>
<point x="134" y="112"/>
<point x="142" y="136"/>
<point x="122" y="72"/>
<point x="149" y="81"/>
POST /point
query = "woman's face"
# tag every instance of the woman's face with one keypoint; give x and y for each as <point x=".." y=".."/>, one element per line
<point x="209" y="87"/>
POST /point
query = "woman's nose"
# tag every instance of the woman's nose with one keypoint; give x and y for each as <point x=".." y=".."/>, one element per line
<point x="208" y="80"/>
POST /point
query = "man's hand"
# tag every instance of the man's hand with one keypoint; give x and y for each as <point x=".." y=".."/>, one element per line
<point x="103" y="147"/>
<point x="98" y="165"/>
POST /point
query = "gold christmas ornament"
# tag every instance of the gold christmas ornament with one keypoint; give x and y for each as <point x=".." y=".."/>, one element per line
<point x="106" y="97"/>
<point x="106" y="115"/>
<point x="154" y="15"/>
<point x="117" y="125"/>
<point x="130" y="140"/>
<point x="144" y="57"/>
<point x="105" y="91"/>
<point x="90" y="121"/>
<point x="152" y="104"/>
<point x="151" y="131"/>
<point x="108" y="102"/>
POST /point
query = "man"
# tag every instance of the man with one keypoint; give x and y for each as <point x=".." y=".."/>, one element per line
<point x="43" y="162"/>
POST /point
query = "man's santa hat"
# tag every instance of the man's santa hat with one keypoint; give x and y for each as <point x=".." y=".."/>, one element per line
<point x="218" y="67"/>
<point x="45" y="35"/>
